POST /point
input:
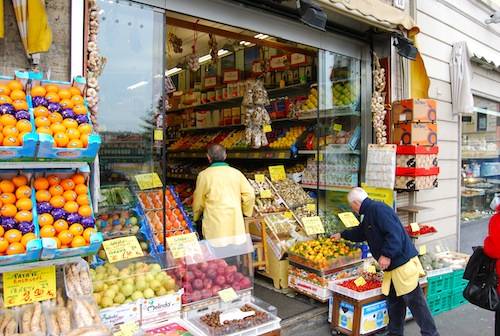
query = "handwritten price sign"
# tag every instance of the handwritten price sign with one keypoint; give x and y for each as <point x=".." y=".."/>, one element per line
<point x="277" y="173"/>
<point x="148" y="181"/>
<point x="122" y="249"/>
<point x="29" y="286"/>
<point x="183" y="245"/>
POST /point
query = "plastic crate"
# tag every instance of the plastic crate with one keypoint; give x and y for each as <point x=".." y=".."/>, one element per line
<point x="458" y="282"/>
<point x="457" y="298"/>
<point x="440" y="283"/>
<point x="439" y="303"/>
<point x="47" y="149"/>
<point x="335" y="287"/>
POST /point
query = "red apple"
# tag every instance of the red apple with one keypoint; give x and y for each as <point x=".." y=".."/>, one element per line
<point x="188" y="288"/>
<point x="231" y="269"/>
<point x="221" y="270"/>
<point x="215" y="289"/>
<point x="198" y="284"/>
<point x="230" y="278"/>
<point x="206" y="293"/>
<point x="196" y="296"/>
<point x="220" y="280"/>
<point x="245" y="283"/>
<point x="189" y="277"/>
<point x="238" y="276"/>
<point x="203" y="266"/>
<point x="211" y="273"/>
<point x="207" y="283"/>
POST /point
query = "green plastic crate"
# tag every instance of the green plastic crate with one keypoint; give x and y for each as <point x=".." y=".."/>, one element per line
<point x="440" y="283"/>
<point x="458" y="283"/>
<point x="457" y="298"/>
<point x="439" y="303"/>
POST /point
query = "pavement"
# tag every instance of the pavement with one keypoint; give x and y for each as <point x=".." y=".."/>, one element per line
<point x="306" y="317"/>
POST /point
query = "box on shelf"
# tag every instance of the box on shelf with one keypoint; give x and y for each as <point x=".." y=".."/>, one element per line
<point x="423" y="134"/>
<point x="227" y="116"/>
<point x="301" y="285"/>
<point x="411" y="156"/>
<point x="414" y="110"/>
<point x="416" y="178"/>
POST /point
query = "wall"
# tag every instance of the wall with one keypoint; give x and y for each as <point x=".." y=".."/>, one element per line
<point x="56" y="63"/>
<point x="442" y="23"/>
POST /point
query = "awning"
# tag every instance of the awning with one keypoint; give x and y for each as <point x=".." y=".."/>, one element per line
<point x="484" y="63"/>
<point x="373" y="12"/>
<point x="461" y="79"/>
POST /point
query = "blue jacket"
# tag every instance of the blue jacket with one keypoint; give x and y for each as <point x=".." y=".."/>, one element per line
<point x="381" y="228"/>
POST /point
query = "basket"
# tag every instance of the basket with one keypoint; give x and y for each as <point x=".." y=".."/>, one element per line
<point x="337" y="288"/>
<point x="439" y="303"/>
<point x="440" y="283"/>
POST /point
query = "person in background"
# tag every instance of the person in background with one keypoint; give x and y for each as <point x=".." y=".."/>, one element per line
<point x="223" y="195"/>
<point x="491" y="248"/>
<point x="391" y="246"/>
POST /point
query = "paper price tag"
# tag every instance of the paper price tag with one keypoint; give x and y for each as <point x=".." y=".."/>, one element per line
<point x="228" y="294"/>
<point x="311" y="207"/>
<point x="337" y="127"/>
<point x="321" y="157"/>
<point x="267" y="128"/>
<point x="266" y="194"/>
<point x="119" y="249"/>
<point x="371" y="269"/>
<point x="182" y="245"/>
<point x="348" y="219"/>
<point x="148" y="181"/>
<point x="414" y="227"/>
<point x="260" y="178"/>
<point x="288" y="214"/>
<point x="158" y="134"/>
<point x="29" y="286"/>
<point x="129" y="328"/>
<point x="313" y="225"/>
<point x="277" y="173"/>
<point x="360" y="282"/>
<point x="422" y="249"/>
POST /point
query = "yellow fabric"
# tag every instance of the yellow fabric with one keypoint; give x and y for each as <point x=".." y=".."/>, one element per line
<point x="374" y="12"/>
<point x="420" y="82"/>
<point x="404" y="278"/>
<point x="39" y="34"/>
<point x="1" y="19"/>
<point x="223" y="195"/>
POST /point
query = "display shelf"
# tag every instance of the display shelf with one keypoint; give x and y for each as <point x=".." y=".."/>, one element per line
<point x="330" y="271"/>
<point x="38" y="264"/>
<point x="43" y="165"/>
<point x="326" y="187"/>
<point x="230" y="126"/>
<point x="234" y="154"/>
<point x="413" y="208"/>
<point x="338" y="150"/>
<point x="182" y="176"/>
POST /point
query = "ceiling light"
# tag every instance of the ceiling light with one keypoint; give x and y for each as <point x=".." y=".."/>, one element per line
<point x="208" y="57"/>
<point x="261" y="36"/>
<point x="137" y="85"/>
<point x="173" y="71"/>
<point x="311" y="14"/>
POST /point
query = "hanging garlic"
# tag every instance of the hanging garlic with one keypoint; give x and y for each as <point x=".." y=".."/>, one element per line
<point x="377" y="102"/>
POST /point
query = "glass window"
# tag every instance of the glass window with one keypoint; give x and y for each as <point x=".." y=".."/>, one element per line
<point x="480" y="160"/>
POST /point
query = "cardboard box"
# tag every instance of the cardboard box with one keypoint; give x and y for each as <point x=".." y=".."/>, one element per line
<point x="423" y="134"/>
<point x="416" y="178"/>
<point x="417" y="156"/>
<point x="413" y="110"/>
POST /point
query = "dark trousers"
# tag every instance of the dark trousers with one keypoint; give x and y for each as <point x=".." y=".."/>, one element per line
<point x="415" y="300"/>
<point x="497" y="323"/>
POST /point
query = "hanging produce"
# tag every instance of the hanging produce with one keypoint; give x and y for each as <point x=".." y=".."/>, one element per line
<point x="377" y="102"/>
<point x="193" y="61"/>
<point x="256" y="115"/>
<point x="174" y="44"/>
<point x="212" y="44"/>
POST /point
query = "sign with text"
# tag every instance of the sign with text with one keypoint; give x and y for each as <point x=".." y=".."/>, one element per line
<point x="119" y="249"/>
<point x="277" y="173"/>
<point x="231" y="76"/>
<point x="360" y="282"/>
<point x="348" y="219"/>
<point x="313" y="225"/>
<point x="148" y="181"/>
<point x="158" y="134"/>
<point x="29" y="286"/>
<point x="260" y="178"/>
<point x="155" y="309"/>
<point x="278" y="62"/>
<point x="380" y="194"/>
<point x="210" y="82"/>
<point x="297" y="59"/>
<point x="266" y="193"/>
<point x="182" y="245"/>
<point x="228" y="294"/>
<point x="257" y="67"/>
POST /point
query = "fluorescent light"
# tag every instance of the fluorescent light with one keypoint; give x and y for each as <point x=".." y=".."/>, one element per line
<point x="173" y="71"/>
<point x="208" y="57"/>
<point x="137" y="85"/>
<point x="261" y="36"/>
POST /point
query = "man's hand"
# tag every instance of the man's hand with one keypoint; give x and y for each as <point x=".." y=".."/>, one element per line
<point x="336" y="236"/>
<point x="384" y="262"/>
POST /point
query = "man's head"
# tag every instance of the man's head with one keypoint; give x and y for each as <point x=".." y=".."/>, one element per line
<point x="356" y="197"/>
<point x="216" y="153"/>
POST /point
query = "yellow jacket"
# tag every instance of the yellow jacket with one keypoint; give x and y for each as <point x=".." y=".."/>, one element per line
<point x="404" y="278"/>
<point x="223" y="195"/>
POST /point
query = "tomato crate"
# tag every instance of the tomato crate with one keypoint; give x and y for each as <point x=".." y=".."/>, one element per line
<point x="440" y="303"/>
<point x="440" y="283"/>
<point x="458" y="282"/>
<point x="457" y="298"/>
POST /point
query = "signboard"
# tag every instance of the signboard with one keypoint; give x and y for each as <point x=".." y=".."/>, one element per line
<point x="148" y="181"/>
<point x="313" y="225"/>
<point x="231" y="76"/>
<point x="348" y="219"/>
<point x="257" y="67"/>
<point x="380" y="194"/>
<point x="266" y="193"/>
<point x="278" y="62"/>
<point x="29" y="286"/>
<point x="297" y="59"/>
<point x="119" y="249"/>
<point x="210" y="82"/>
<point x="277" y="173"/>
<point x="260" y="178"/>
<point x="158" y="134"/>
<point x="182" y="245"/>
<point x="228" y="294"/>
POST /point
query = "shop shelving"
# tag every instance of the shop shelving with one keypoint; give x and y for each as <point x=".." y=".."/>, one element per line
<point x="326" y="187"/>
<point x="43" y="165"/>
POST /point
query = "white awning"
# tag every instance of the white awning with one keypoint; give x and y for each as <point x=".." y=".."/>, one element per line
<point x="461" y="79"/>
<point x="373" y="12"/>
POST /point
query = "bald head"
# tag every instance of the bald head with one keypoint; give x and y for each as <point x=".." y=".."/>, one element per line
<point x="216" y="153"/>
<point x="356" y="197"/>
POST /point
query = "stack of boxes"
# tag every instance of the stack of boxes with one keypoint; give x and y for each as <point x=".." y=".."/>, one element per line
<point x="415" y="133"/>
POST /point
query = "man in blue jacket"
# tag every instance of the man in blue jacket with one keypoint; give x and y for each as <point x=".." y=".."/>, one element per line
<point x="391" y="246"/>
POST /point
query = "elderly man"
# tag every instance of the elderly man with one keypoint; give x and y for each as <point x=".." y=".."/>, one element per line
<point x="391" y="246"/>
<point x="223" y="195"/>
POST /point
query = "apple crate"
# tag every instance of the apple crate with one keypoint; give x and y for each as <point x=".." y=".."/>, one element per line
<point x="27" y="150"/>
<point x="47" y="147"/>
<point x="34" y="247"/>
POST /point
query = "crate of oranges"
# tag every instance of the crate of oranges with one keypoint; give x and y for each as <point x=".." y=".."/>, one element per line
<point x="62" y="121"/>
<point x="65" y="215"/>
<point x="19" y="231"/>
<point x="18" y="139"/>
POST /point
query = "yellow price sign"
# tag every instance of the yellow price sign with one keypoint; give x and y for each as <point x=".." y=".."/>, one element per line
<point x="360" y="281"/>
<point x="380" y="194"/>
<point x="371" y="269"/>
<point x="183" y="245"/>
<point x="228" y="294"/>
<point x="266" y="193"/>
<point x="414" y="227"/>
<point x="267" y="128"/>
<point x="348" y="219"/>
<point x="260" y="178"/>
<point x="148" y="181"/>
<point x="311" y="207"/>
<point x="29" y="286"/>
<point x="288" y="214"/>
<point x="422" y="249"/>
<point x="313" y="225"/>
<point x="337" y="127"/>
<point x="277" y="173"/>
<point x="158" y="134"/>
<point x="129" y="328"/>
<point x="124" y="248"/>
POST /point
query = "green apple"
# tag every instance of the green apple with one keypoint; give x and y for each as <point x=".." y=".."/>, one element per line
<point x="154" y="284"/>
<point x="98" y="286"/>
<point x="119" y="298"/>
<point x="137" y="295"/>
<point x="127" y="289"/>
<point x="97" y="298"/>
<point x="106" y="302"/>
<point x="141" y="285"/>
<point x="149" y="277"/>
<point x="149" y="293"/>
<point x="161" y="291"/>
<point x="109" y="293"/>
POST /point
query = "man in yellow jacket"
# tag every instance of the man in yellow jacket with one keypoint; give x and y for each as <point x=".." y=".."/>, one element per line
<point x="223" y="195"/>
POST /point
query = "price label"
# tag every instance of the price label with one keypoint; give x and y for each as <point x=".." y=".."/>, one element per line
<point x="277" y="173"/>
<point x="158" y="134"/>
<point x="360" y="281"/>
<point x="348" y="219"/>
<point x="183" y="245"/>
<point x="311" y="207"/>
<point x="228" y="294"/>
<point x="148" y="181"/>
<point x="321" y="157"/>
<point x="313" y="225"/>
<point x="129" y="328"/>
<point x="288" y="214"/>
<point x="266" y="194"/>
<point x="371" y="269"/>
<point x="414" y="227"/>
<point x="267" y="128"/>
<point x="119" y="249"/>
<point x="337" y="127"/>
<point x="260" y="178"/>
<point x="29" y="286"/>
<point x="422" y="249"/>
